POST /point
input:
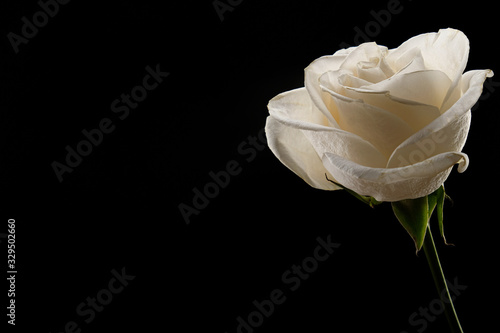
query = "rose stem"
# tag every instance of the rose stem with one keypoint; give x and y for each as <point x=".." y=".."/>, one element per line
<point x="440" y="281"/>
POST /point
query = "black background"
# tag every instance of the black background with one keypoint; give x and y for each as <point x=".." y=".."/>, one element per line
<point x="119" y="207"/>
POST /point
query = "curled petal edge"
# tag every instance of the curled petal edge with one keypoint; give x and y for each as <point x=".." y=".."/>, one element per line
<point x="395" y="184"/>
<point x="474" y="86"/>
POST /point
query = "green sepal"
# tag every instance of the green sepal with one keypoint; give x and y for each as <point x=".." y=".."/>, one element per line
<point x="439" y="195"/>
<point x="439" y="210"/>
<point x="414" y="214"/>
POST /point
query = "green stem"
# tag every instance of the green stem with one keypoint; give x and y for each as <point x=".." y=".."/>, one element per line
<point x="440" y="281"/>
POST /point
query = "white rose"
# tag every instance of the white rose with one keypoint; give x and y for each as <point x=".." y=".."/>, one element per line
<point x="384" y="123"/>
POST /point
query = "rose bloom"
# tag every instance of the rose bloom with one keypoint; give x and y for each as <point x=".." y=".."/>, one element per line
<point x="384" y="123"/>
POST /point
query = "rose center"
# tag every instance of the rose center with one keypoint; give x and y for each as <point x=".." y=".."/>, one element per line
<point x="374" y="70"/>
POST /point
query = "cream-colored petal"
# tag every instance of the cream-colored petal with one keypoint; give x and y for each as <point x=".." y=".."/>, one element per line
<point x="384" y="130"/>
<point x="295" y="109"/>
<point x="447" y="132"/>
<point x="446" y="50"/>
<point x="295" y="151"/>
<point x="374" y="70"/>
<point x="347" y="145"/>
<point x="311" y="75"/>
<point x="425" y="87"/>
<point x="452" y="97"/>
<point x="363" y="54"/>
<point x="345" y="80"/>
<point x="395" y="184"/>
<point x="416" y="115"/>
<point x="406" y="62"/>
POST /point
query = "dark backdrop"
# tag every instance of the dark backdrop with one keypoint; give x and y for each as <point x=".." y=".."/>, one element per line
<point x="117" y="212"/>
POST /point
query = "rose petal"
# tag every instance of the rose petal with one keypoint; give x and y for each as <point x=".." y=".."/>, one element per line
<point x="395" y="184"/>
<point x="453" y="96"/>
<point x="446" y="50"/>
<point x="408" y="62"/>
<point x="364" y="53"/>
<point x="384" y="130"/>
<point x="293" y="149"/>
<point x="374" y="70"/>
<point x="311" y="75"/>
<point x="347" y="145"/>
<point x="416" y="115"/>
<point x="295" y="109"/>
<point x="426" y="87"/>
<point x="446" y="133"/>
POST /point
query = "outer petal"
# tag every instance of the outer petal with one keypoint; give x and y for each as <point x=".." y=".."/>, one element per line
<point x="446" y="133"/>
<point x="312" y="73"/>
<point x="447" y="51"/>
<point x="395" y="184"/>
<point x="293" y="149"/>
<point x="295" y="109"/>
